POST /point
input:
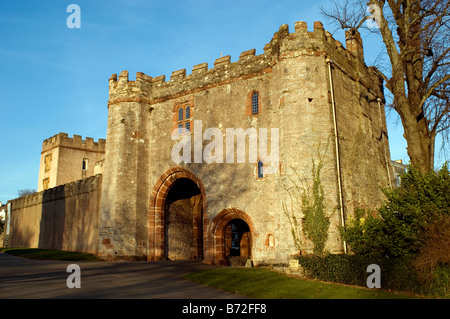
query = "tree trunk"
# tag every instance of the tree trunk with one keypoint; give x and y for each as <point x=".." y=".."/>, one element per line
<point x="420" y="143"/>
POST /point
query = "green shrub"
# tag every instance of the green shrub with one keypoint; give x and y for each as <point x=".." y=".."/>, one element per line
<point x="439" y="285"/>
<point x="341" y="268"/>
<point x="407" y="237"/>
<point x="365" y="235"/>
<point x="397" y="274"/>
<point x="398" y="228"/>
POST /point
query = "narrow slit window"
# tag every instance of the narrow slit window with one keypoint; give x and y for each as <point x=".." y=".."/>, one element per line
<point x="260" y="169"/>
<point x="180" y="114"/>
<point x="187" y="125"/>
<point x="45" y="183"/>
<point x="255" y="103"/>
<point x="48" y="162"/>
<point x="84" y="165"/>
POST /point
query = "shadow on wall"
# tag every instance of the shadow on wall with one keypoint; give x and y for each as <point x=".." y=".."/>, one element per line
<point x="64" y="217"/>
<point x="53" y="213"/>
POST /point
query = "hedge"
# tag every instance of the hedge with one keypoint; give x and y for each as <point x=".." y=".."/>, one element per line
<point x="396" y="273"/>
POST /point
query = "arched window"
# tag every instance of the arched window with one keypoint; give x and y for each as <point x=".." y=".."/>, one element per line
<point x="187" y="124"/>
<point x="260" y="169"/>
<point x="180" y="120"/>
<point x="183" y="115"/>
<point x="255" y="103"/>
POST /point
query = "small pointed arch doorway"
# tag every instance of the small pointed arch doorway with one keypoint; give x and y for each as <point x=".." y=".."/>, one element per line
<point x="237" y="242"/>
<point x="233" y="237"/>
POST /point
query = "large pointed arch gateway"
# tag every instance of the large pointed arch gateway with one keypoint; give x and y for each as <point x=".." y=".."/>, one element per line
<point x="232" y="234"/>
<point x="176" y="216"/>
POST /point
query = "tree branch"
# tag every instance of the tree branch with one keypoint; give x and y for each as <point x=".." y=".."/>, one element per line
<point x="432" y="88"/>
<point x="435" y="66"/>
<point x="387" y="36"/>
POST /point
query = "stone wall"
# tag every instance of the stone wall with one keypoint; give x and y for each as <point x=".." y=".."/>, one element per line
<point x="292" y="80"/>
<point x="64" y="217"/>
<point x="180" y="232"/>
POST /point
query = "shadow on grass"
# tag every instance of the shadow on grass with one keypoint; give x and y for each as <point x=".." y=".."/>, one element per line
<point x="262" y="283"/>
<point x="49" y="254"/>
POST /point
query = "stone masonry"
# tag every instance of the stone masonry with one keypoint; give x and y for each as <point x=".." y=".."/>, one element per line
<point x="326" y="105"/>
<point x="300" y="79"/>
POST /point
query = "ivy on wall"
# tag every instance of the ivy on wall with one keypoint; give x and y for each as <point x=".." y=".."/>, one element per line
<point x="306" y="209"/>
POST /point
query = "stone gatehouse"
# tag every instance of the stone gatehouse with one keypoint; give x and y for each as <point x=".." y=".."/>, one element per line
<point x="163" y="186"/>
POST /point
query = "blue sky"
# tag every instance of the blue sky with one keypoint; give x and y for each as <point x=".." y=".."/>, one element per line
<point x="55" y="79"/>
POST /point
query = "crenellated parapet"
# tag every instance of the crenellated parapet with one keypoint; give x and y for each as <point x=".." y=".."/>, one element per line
<point x="283" y="45"/>
<point x="59" y="192"/>
<point x="121" y="89"/>
<point x="75" y="142"/>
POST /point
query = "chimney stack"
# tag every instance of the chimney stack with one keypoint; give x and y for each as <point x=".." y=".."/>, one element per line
<point x="353" y="43"/>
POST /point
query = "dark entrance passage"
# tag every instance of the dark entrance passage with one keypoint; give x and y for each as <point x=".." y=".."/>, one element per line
<point x="237" y="242"/>
<point x="183" y="221"/>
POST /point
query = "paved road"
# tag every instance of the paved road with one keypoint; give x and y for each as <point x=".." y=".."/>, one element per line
<point x="39" y="279"/>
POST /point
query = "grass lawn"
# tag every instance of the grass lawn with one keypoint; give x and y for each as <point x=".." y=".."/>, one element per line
<point x="262" y="283"/>
<point x="49" y="254"/>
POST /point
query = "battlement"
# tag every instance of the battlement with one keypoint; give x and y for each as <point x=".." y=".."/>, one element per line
<point x="76" y="142"/>
<point x="283" y="45"/>
<point x="74" y="188"/>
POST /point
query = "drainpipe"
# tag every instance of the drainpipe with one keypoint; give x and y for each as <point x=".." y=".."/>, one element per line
<point x="385" y="155"/>
<point x="8" y="225"/>
<point x="336" y="144"/>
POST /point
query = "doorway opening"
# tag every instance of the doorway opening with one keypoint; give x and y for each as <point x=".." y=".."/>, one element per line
<point x="183" y="213"/>
<point x="237" y="242"/>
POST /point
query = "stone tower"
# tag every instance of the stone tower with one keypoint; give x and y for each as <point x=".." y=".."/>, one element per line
<point x="322" y="99"/>
<point x="123" y="223"/>
<point x="65" y="160"/>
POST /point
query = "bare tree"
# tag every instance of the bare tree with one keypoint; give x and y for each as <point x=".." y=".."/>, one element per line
<point x="25" y="192"/>
<point x="416" y="37"/>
